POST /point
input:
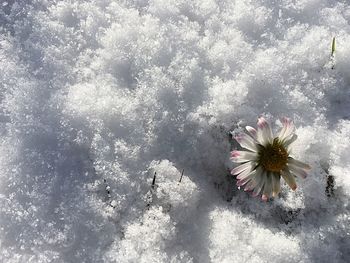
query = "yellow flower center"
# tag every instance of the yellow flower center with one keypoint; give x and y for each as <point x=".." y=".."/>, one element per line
<point x="273" y="157"/>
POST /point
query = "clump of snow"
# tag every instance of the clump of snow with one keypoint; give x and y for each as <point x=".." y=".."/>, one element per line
<point x="97" y="96"/>
<point x="251" y="241"/>
<point x="177" y="198"/>
<point x="168" y="205"/>
<point x="145" y="240"/>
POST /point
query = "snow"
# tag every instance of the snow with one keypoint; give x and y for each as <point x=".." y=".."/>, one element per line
<point x="98" y="96"/>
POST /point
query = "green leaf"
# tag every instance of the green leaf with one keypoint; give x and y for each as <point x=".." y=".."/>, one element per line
<point x="333" y="47"/>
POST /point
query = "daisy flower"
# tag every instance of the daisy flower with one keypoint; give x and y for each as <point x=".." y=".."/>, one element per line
<point x="267" y="159"/>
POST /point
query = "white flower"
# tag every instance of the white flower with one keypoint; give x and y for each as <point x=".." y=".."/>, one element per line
<point x="267" y="159"/>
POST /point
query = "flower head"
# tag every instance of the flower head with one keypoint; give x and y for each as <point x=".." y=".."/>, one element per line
<point x="267" y="159"/>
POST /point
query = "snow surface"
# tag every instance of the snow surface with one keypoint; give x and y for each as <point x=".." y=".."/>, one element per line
<point x="98" y="95"/>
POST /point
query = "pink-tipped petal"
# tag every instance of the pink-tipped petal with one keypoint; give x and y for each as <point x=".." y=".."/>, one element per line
<point x="259" y="184"/>
<point x="242" y="156"/>
<point x="249" y="173"/>
<point x="268" y="185"/>
<point x="244" y="181"/>
<point x="245" y="189"/>
<point x="276" y="185"/>
<point x="250" y="186"/>
<point x="297" y="171"/>
<point x="290" y="140"/>
<point x="252" y="131"/>
<point x="299" y="164"/>
<point x="243" y="175"/>
<point x="240" y="183"/>
<point x="287" y="129"/>
<point x="241" y="168"/>
<point x="235" y="154"/>
<point x="264" y="132"/>
<point x="257" y="192"/>
<point x="246" y="142"/>
<point x="246" y="176"/>
<point x="289" y="178"/>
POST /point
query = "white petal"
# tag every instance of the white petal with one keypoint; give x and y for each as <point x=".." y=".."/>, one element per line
<point x="287" y="129"/>
<point x="245" y="174"/>
<point x="298" y="163"/>
<point x="260" y="181"/>
<point x="268" y="185"/>
<point x="252" y="131"/>
<point x="245" y="180"/>
<point x="243" y="156"/>
<point x="247" y="142"/>
<point x="297" y="170"/>
<point x="289" y="178"/>
<point x="289" y="140"/>
<point x="245" y="177"/>
<point x="246" y="166"/>
<point x="252" y="183"/>
<point x="276" y="185"/>
<point x="264" y="133"/>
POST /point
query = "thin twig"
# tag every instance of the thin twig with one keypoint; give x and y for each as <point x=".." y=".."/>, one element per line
<point x="154" y="180"/>
<point x="150" y="193"/>
<point x="182" y="174"/>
